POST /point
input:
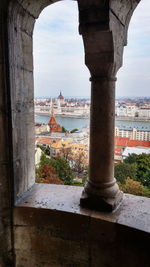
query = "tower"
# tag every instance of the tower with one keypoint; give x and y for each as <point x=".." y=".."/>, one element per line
<point x="53" y="125"/>
<point x="61" y="98"/>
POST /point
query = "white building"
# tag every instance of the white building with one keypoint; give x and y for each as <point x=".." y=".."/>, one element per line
<point x="38" y="154"/>
<point x="63" y="107"/>
<point x="135" y="150"/>
<point x="126" y="110"/>
<point x="133" y="133"/>
<point x="41" y="128"/>
<point x="144" y="112"/>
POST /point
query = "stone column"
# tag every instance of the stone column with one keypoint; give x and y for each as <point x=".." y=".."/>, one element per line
<point x="102" y="59"/>
<point x="103" y="25"/>
<point x="101" y="191"/>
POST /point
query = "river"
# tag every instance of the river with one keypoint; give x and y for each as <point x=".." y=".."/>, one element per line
<point x="72" y="123"/>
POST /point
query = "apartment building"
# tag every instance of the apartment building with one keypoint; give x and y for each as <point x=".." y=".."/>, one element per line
<point x="133" y="133"/>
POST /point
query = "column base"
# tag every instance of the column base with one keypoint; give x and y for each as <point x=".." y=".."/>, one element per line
<point x="99" y="203"/>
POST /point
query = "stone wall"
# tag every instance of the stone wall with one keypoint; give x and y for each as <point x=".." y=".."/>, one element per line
<point x="54" y="236"/>
<point x="52" y="230"/>
<point x="6" y="179"/>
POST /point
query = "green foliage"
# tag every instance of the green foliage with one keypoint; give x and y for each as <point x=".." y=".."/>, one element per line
<point x="135" y="188"/>
<point x="64" y="130"/>
<point x="125" y="170"/>
<point x="76" y="183"/>
<point x="133" y="175"/>
<point x="61" y="166"/>
<point x="45" y="149"/>
<point x="44" y="160"/>
<point x="143" y="169"/>
<point x="63" y="169"/>
<point x="142" y="162"/>
<point x="146" y="191"/>
<point x="74" y="130"/>
<point x="47" y="174"/>
<point x="132" y="158"/>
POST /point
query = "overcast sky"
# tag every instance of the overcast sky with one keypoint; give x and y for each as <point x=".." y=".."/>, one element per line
<point x="59" y="55"/>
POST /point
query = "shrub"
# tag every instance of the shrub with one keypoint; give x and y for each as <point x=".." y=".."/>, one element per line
<point x="47" y="174"/>
<point x="135" y="188"/>
<point x="124" y="170"/>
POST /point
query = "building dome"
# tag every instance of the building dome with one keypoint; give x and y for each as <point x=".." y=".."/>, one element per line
<point x="60" y="96"/>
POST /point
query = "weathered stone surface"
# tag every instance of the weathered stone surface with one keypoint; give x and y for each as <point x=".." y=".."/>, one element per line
<point x="21" y="83"/>
<point x="123" y="9"/>
<point x="103" y="25"/>
<point x="56" y="247"/>
<point x="50" y="227"/>
<point x="5" y="146"/>
<point x="46" y="260"/>
<point x="130" y="245"/>
<point x="51" y="199"/>
<point x="35" y="7"/>
<point x="75" y="231"/>
<point x="53" y="229"/>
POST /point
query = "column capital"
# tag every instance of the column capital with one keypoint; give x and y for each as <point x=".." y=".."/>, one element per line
<point x="104" y="25"/>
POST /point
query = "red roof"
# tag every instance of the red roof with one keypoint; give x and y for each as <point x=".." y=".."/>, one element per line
<point x="46" y="140"/>
<point x="133" y="143"/>
<point x="121" y="141"/>
<point x="125" y="141"/>
<point x="118" y="151"/>
<point x="130" y="105"/>
<point x="52" y="121"/>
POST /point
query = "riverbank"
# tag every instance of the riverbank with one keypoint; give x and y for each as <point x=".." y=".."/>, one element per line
<point x="86" y="116"/>
<point x="132" y="119"/>
<point x="72" y="122"/>
<point x="69" y="123"/>
<point x="69" y="115"/>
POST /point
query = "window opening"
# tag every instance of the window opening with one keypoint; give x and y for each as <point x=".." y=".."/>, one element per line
<point x="62" y="97"/>
<point x="133" y="109"/>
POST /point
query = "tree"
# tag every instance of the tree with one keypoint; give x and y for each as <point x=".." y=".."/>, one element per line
<point x="44" y="160"/>
<point x="125" y="170"/>
<point x="74" y="130"/>
<point x="65" y="152"/>
<point x="63" y="169"/>
<point x="132" y="158"/>
<point x="64" y="130"/>
<point x="47" y="174"/>
<point x="60" y="165"/>
<point x="143" y="169"/>
<point x="79" y="160"/>
<point x="45" y="149"/>
<point x="142" y="162"/>
<point x="135" y="188"/>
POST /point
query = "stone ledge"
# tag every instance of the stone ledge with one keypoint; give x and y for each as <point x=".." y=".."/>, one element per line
<point x="133" y="212"/>
<point x="51" y="229"/>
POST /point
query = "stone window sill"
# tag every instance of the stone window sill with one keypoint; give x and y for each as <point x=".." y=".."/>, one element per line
<point x="133" y="212"/>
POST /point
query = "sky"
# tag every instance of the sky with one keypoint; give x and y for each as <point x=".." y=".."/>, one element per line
<point x="59" y="54"/>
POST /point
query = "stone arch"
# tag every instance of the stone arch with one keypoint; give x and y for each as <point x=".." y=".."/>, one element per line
<point x="22" y="17"/>
<point x="104" y="30"/>
<point x="13" y="74"/>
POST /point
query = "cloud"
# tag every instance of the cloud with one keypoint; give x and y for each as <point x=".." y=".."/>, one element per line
<point x="134" y="76"/>
<point x="59" y="53"/>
